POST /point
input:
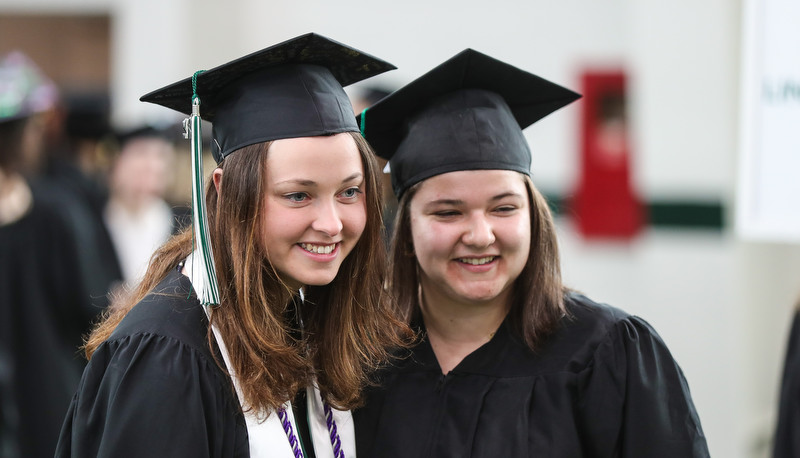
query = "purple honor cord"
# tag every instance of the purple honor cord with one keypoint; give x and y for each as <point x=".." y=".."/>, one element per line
<point x="336" y="442"/>
<point x="287" y="427"/>
<point x="334" y="434"/>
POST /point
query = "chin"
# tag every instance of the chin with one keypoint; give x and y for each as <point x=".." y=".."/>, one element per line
<point x="317" y="280"/>
<point x="479" y="296"/>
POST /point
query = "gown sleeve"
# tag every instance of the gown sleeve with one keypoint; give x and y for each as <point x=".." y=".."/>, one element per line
<point x="636" y="399"/>
<point x="787" y="438"/>
<point x="151" y="395"/>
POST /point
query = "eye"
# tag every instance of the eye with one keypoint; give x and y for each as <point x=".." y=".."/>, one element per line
<point x="446" y="213"/>
<point x="296" y="197"/>
<point x="351" y="193"/>
<point x="505" y="209"/>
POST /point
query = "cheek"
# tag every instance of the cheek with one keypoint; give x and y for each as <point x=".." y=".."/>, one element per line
<point x="355" y="218"/>
<point x="523" y="232"/>
<point x="430" y="240"/>
<point x="519" y="237"/>
<point x="418" y="236"/>
<point x="276" y="223"/>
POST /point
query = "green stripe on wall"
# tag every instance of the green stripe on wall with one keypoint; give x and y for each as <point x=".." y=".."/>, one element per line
<point x="701" y="215"/>
<point x="665" y="212"/>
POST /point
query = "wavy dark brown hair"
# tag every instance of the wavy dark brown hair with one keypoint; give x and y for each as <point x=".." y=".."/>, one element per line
<point x="537" y="301"/>
<point x="350" y="325"/>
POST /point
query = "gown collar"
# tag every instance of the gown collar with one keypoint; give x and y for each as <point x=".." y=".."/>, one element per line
<point x="486" y="359"/>
<point x="266" y="435"/>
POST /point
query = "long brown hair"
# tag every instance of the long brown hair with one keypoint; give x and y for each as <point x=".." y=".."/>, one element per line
<point x="349" y="324"/>
<point x="537" y="301"/>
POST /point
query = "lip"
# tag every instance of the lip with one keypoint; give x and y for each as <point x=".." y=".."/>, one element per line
<point x="320" y="257"/>
<point x="478" y="268"/>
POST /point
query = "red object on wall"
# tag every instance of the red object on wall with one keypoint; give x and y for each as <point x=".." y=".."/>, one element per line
<point x="605" y="204"/>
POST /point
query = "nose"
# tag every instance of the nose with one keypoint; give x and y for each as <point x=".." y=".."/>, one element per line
<point x="479" y="233"/>
<point x="327" y="219"/>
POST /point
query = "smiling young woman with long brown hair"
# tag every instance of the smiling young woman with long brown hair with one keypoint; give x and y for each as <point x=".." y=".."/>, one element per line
<point x="271" y="365"/>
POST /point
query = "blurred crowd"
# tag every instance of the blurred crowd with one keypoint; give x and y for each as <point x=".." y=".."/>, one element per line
<point x="82" y="207"/>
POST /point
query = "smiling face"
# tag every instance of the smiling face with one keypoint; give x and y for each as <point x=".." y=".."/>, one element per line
<point x="471" y="235"/>
<point x="314" y="208"/>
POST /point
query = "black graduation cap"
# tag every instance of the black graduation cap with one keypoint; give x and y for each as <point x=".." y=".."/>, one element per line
<point x="292" y="89"/>
<point x="124" y="136"/>
<point x="466" y="114"/>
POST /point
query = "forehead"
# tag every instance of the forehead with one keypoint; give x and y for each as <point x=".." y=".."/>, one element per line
<point x="330" y="155"/>
<point x="471" y="185"/>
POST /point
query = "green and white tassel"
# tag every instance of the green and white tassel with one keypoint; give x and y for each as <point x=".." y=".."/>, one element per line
<point x="203" y="273"/>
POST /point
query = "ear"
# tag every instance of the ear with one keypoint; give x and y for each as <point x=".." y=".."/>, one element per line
<point x="217" y="177"/>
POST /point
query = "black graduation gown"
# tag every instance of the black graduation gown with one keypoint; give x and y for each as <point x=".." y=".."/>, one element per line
<point x="43" y="312"/>
<point x="604" y="385"/>
<point x="787" y="433"/>
<point x="81" y="201"/>
<point x="154" y="389"/>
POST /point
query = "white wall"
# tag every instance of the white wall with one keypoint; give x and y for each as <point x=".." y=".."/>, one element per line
<point x="721" y="304"/>
<point x="685" y="68"/>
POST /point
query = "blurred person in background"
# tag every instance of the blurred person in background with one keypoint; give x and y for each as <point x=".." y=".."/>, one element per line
<point x="76" y="168"/>
<point x="510" y="362"/>
<point x="137" y="216"/>
<point x="787" y="432"/>
<point x="43" y="305"/>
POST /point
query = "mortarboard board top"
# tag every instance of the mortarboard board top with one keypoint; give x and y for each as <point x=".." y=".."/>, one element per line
<point x="292" y="89"/>
<point x="466" y="114"/>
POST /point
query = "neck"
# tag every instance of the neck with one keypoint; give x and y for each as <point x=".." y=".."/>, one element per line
<point x="456" y="329"/>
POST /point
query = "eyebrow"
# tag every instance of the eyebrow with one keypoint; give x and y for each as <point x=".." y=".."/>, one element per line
<point x="457" y="202"/>
<point x="453" y="202"/>
<point x="311" y="183"/>
<point x="506" y="194"/>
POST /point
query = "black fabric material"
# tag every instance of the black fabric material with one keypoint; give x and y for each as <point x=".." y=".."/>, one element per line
<point x="441" y="123"/>
<point x="292" y="89"/>
<point x="43" y="312"/>
<point x="124" y="136"/>
<point x="787" y="433"/>
<point x="605" y="385"/>
<point x="300" y="402"/>
<point x="300" y="410"/>
<point x="474" y="124"/>
<point x="81" y="200"/>
<point x="154" y="389"/>
<point x="284" y="102"/>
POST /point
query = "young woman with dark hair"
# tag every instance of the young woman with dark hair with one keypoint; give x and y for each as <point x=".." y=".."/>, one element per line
<point x="510" y="362"/>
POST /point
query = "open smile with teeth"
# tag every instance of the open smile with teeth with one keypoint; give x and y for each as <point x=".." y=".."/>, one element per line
<point x="319" y="249"/>
<point x="477" y="261"/>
